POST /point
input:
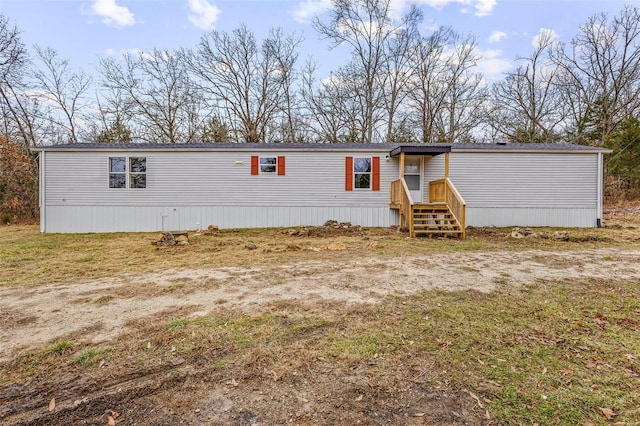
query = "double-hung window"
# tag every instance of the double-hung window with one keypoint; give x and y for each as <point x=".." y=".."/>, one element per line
<point x="128" y="172"/>
<point x="268" y="165"/>
<point x="362" y="173"/>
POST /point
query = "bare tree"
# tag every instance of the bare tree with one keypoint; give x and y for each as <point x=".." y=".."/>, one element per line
<point x="334" y="104"/>
<point x="397" y="72"/>
<point x="65" y="89"/>
<point x="428" y="85"/>
<point x="285" y="49"/>
<point x="18" y="110"/>
<point x="465" y="92"/>
<point x="155" y="90"/>
<point x="600" y="74"/>
<point x="527" y="105"/>
<point x="368" y="28"/>
<point x="250" y="83"/>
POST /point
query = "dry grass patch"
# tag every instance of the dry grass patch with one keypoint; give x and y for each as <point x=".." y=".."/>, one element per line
<point x="548" y="351"/>
<point x="28" y="258"/>
<point x="551" y="353"/>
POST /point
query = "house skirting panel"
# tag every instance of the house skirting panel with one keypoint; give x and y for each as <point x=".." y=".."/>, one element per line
<point x="87" y="219"/>
<point x="532" y="216"/>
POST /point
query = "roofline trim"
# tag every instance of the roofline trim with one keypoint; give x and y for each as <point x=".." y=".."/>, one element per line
<point x="590" y="150"/>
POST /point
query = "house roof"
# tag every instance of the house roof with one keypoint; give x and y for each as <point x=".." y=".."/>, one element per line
<point x="392" y="148"/>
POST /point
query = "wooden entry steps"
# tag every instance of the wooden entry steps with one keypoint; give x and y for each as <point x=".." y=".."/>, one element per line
<point x="435" y="220"/>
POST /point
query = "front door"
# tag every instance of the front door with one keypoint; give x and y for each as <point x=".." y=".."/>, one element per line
<point x="413" y="176"/>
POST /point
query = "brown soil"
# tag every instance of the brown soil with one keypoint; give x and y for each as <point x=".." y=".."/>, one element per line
<point x="257" y="391"/>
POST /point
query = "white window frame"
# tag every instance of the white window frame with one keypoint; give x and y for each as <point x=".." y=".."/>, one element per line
<point x="128" y="174"/>
<point x="274" y="165"/>
<point x="370" y="173"/>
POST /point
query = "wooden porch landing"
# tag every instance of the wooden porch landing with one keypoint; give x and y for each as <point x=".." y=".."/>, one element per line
<point x="443" y="216"/>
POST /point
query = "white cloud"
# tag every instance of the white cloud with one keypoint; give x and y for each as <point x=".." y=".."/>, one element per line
<point x="496" y="36"/>
<point x="545" y="35"/>
<point x="203" y="14"/>
<point x="485" y="7"/>
<point x="112" y="13"/>
<point x="482" y="7"/>
<point x="493" y="64"/>
<point x="308" y="8"/>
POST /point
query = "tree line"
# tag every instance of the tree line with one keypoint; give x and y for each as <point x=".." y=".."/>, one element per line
<point x="398" y="85"/>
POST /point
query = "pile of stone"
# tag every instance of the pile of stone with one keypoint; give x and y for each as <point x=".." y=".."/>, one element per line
<point x="530" y="233"/>
<point x="211" y="230"/>
<point x="172" y="239"/>
<point x="522" y="233"/>
<point x="336" y="224"/>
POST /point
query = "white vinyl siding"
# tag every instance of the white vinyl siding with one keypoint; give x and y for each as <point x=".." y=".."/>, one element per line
<point x="523" y="188"/>
<point x="192" y="188"/>
<point x="528" y="180"/>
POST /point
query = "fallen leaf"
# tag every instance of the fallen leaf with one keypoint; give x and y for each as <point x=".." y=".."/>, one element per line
<point x="359" y="397"/>
<point x="111" y="421"/>
<point x="630" y="357"/>
<point x="608" y="413"/>
<point x="52" y="404"/>
<point x="620" y="424"/>
<point x="474" y="396"/>
<point x="566" y="371"/>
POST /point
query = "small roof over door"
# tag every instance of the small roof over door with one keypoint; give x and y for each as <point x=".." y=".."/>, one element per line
<point x="421" y="149"/>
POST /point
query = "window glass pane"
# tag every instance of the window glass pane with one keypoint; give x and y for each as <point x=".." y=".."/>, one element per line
<point x="412" y="166"/>
<point x="138" y="165"/>
<point x="117" y="165"/>
<point x="268" y="164"/>
<point x="117" y="180"/>
<point x="413" y="182"/>
<point x="361" y="165"/>
<point x="268" y="160"/>
<point x="138" y="181"/>
<point x="363" y="180"/>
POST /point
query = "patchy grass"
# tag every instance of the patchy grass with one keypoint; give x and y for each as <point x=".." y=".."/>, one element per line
<point x="551" y="352"/>
<point x="28" y="258"/>
<point x="91" y="357"/>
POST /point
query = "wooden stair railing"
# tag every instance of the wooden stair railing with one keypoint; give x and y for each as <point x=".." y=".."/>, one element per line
<point x="401" y="200"/>
<point x="445" y="214"/>
<point x="444" y="191"/>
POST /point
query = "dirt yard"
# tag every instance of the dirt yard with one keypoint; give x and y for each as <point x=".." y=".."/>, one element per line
<point x="34" y="316"/>
<point x="229" y="385"/>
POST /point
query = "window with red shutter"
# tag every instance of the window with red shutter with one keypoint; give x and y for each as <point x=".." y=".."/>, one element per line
<point x="375" y="173"/>
<point x="348" y="174"/>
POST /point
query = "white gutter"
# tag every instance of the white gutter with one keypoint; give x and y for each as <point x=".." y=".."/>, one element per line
<point x="42" y="191"/>
<point x="600" y="191"/>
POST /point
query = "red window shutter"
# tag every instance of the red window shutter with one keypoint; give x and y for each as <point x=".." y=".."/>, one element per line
<point x="254" y="164"/>
<point x="348" y="174"/>
<point x="281" y="166"/>
<point x="375" y="173"/>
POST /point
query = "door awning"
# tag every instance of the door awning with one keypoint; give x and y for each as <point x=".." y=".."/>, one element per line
<point x="421" y="149"/>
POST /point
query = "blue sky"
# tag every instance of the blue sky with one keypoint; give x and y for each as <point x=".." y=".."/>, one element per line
<point x="83" y="30"/>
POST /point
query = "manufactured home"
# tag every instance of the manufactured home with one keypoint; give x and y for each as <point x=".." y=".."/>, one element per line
<point x="428" y="188"/>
